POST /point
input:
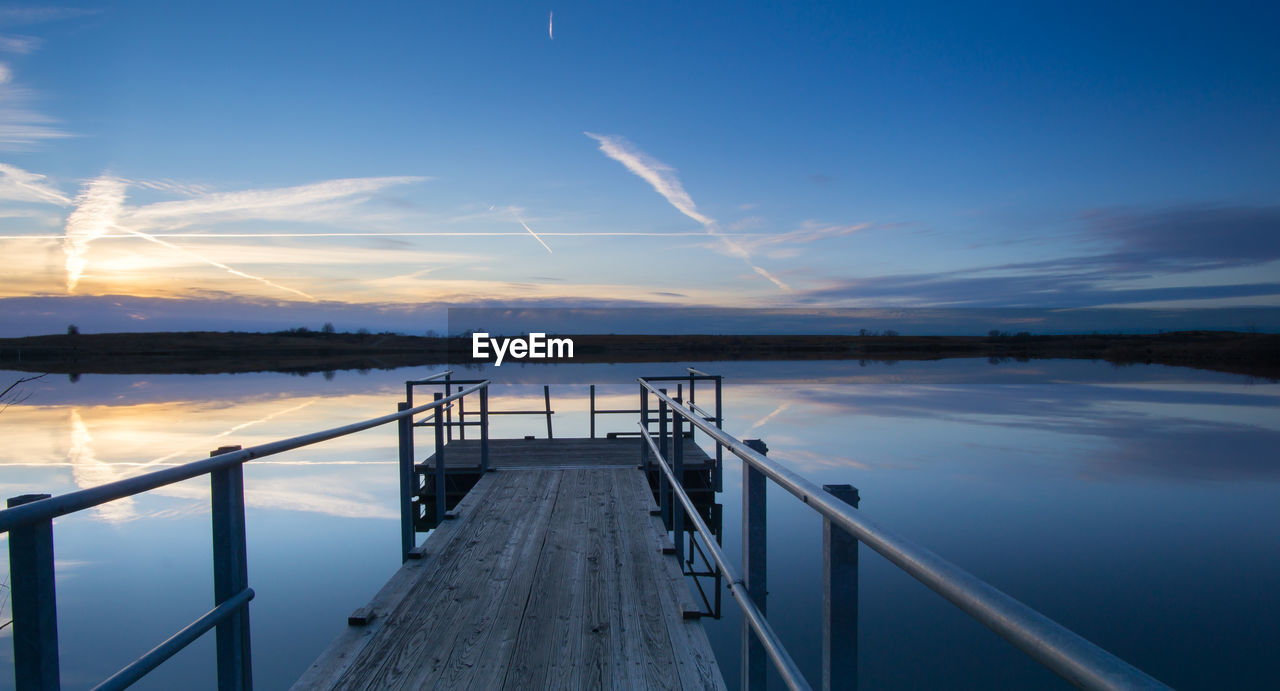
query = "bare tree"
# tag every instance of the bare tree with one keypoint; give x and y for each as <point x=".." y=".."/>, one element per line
<point x="12" y="394"/>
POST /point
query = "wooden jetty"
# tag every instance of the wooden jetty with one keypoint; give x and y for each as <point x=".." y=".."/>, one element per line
<point x="551" y="572"/>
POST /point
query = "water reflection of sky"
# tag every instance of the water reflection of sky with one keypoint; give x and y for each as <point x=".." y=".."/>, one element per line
<point x="1138" y="505"/>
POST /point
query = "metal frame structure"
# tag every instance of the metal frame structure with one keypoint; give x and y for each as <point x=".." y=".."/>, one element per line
<point x="1062" y="651"/>
<point x="29" y="522"/>
<point x="446" y="380"/>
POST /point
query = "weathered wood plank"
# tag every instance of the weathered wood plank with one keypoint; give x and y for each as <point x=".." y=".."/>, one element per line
<point x="549" y="578"/>
<point x="601" y="650"/>
<point x="647" y="645"/>
<point x="339" y="656"/>
<point x="542" y="645"/>
<point x="499" y="641"/>
<point x="697" y="665"/>
<point x="404" y="643"/>
<point x="490" y="584"/>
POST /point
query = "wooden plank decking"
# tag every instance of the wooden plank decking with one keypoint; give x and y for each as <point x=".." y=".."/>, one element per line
<point x="548" y="578"/>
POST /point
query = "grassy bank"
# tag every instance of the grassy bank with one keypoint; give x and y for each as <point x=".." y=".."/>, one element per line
<point x="309" y="351"/>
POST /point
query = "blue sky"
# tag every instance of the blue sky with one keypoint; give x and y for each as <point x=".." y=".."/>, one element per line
<point x="267" y="164"/>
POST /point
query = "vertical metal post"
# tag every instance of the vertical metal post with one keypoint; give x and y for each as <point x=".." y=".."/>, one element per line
<point x="33" y="602"/>
<point x="644" y="420"/>
<point x="484" y="429"/>
<point x="462" y="416"/>
<point x="448" y="416"/>
<point x="754" y="570"/>
<point x="546" y="396"/>
<point x="440" y="489"/>
<point x="231" y="574"/>
<point x="408" y="482"/>
<point x="718" y="471"/>
<point x="839" y="599"/>
<point x="677" y="470"/>
<point x="664" y="498"/>
<point x="593" y="412"/>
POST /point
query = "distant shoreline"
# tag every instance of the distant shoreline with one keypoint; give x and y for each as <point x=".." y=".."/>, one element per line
<point x="201" y="352"/>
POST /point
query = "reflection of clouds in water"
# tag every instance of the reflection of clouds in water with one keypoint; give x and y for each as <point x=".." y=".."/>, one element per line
<point x="88" y="471"/>
<point x="209" y="441"/>
<point x="326" y="494"/>
<point x="1218" y="452"/>
<point x="762" y="421"/>
<point x="1187" y="434"/>
<point x="805" y="460"/>
<point x="331" y="495"/>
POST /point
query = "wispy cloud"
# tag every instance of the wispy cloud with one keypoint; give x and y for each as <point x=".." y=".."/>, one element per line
<point x="808" y="232"/>
<point x="18" y="44"/>
<point x="22" y="16"/>
<point x="22" y="127"/>
<point x="665" y="182"/>
<point x="1207" y="255"/>
<point x="18" y="185"/>
<point x="100" y="209"/>
<point x="97" y="210"/>
<point x="1192" y="235"/>
<point x="658" y="174"/>
<point x="317" y="202"/>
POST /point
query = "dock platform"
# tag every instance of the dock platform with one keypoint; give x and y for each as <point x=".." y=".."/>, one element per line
<point x="552" y="573"/>
<point x="462" y="465"/>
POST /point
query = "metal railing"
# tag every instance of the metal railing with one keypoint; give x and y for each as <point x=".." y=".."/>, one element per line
<point x="29" y="522"/>
<point x="1062" y="651"/>
<point x="446" y="380"/>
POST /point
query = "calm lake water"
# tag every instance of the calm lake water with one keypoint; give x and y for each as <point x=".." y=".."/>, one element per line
<point x="1139" y="506"/>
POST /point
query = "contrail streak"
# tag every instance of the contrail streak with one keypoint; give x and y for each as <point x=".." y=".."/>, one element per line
<point x="535" y="235"/>
<point x="162" y="459"/>
<point x="32" y="184"/>
<point x="218" y="264"/>
<point x="776" y="412"/>
<point x="662" y="178"/>
<point x="467" y="234"/>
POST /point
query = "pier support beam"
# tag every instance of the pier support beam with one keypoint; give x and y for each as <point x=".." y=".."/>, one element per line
<point x="677" y="470"/>
<point x="408" y="482"/>
<point x="440" y="470"/>
<point x="755" y="661"/>
<point x="33" y="602"/>
<point x="231" y="574"/>
<point x="839" y="599"/>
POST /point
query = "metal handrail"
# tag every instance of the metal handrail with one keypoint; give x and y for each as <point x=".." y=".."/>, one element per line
<point x="231" y="590"/>
<point x="705" y="415"/>
<point x="157" y="655"/>
<point x="737" y="587"/>
<point x="61" y="505"/>
<point x="1059" y="649"/>
<point x="430" y="378"/>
